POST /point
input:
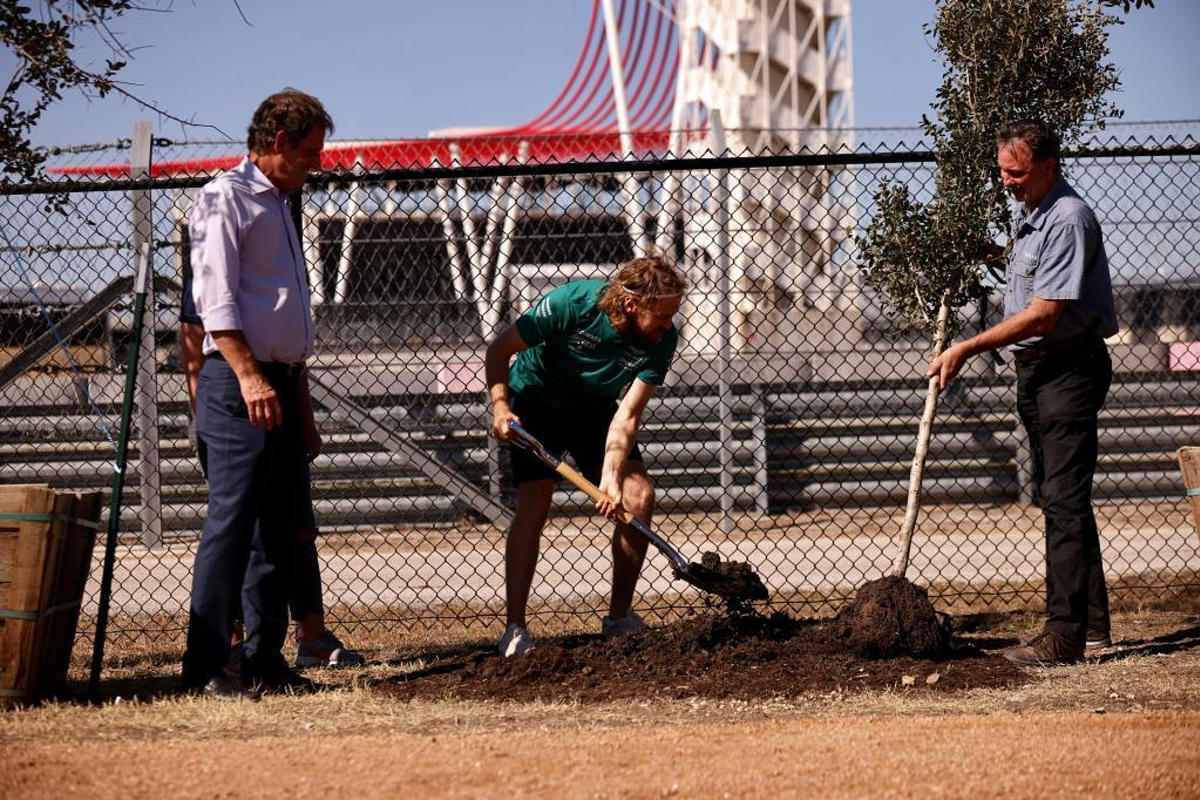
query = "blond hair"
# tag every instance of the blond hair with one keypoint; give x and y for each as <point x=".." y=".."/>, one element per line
<point x="647" y="280"/>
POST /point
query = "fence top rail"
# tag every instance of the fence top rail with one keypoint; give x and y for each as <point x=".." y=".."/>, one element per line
<point x="656" y="165"/>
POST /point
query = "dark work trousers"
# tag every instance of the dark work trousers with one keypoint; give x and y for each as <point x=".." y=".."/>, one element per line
<point x="1059" y="396"/>
<point x="253" y="487"/>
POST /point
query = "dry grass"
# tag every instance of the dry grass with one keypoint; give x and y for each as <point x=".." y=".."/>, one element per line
<point x="1155" y="668"/>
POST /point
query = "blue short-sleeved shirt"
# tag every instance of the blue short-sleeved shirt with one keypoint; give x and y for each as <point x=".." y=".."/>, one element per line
<point x="575" y="356"/>
<point x="1058" y="254"/>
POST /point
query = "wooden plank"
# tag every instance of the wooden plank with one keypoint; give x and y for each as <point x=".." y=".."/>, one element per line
<point x="49" y="551"/>
<point x="1189" y="463"/>
<point x="69" y="585"/>
<point x="463" y="492"/>
<point x="37" y="670"/>
<point x="30" y="551"/>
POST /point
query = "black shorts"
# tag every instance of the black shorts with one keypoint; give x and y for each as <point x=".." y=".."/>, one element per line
<point x="582" y="433"/>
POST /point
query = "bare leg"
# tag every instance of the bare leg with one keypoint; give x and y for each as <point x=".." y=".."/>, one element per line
<point x="521" y="547"/>
<point x="628" y="546"/>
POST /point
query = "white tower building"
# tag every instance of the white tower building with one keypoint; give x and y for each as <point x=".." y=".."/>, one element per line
<point x="779" y="74"/>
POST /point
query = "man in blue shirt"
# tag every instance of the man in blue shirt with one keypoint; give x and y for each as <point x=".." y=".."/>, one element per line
<point x="1059" y="308"/>
<point x="576" y="350"/>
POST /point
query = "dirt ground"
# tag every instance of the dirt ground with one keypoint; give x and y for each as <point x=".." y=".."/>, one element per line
<point x="790" y="719"/>
<point x="969" y="756"/>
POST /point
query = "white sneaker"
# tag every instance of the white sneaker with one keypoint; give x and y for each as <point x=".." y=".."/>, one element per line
<point x="630" y="623"/>
<point x="515" y="641"/>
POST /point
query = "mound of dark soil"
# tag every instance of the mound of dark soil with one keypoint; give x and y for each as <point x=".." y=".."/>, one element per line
<point x="743" y="657"/>
<point x="892" y="617"/>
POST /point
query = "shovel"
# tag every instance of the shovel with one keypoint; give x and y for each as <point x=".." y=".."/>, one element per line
<point x="733" y="580"/>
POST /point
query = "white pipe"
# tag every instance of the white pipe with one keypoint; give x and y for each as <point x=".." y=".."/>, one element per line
<point x="474" y="253"/>
<point x="618" y="75"/>
<point x="453" y="251"/>
<point x="310" y="234"/>
<point x="630" y="186"/>
<point x="484" y="301"/>
<point x="724" y="356"/>
<point x="354" y="198"/>
<point x="512" y="213"/>
<point x="669" y="205"/>
<point x="495" y="215"/>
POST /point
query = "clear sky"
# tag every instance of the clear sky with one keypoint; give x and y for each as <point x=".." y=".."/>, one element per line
<point x="402" y="68"/>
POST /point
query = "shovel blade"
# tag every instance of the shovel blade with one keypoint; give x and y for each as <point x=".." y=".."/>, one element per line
<point x="732" y="580"/>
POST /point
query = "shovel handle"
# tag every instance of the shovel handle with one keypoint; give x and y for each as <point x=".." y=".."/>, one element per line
<point x="523" y="438"/>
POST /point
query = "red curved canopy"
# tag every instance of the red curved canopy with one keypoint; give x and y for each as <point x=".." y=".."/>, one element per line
<point x="580" y="124"/>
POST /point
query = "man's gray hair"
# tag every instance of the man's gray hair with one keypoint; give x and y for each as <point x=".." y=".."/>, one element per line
<point x="1042" y="141"/>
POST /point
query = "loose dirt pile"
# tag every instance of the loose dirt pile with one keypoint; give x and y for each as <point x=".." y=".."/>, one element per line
<point x="892" y="617"/>
<point x="744" y="657"/>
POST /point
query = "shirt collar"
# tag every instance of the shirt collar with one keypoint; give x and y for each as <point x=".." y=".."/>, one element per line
<point x="1037" y="217"/>
<point x="248" y="174"/>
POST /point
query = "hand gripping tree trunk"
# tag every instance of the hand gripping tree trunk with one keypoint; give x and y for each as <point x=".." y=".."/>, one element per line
<point x="917" y="474"/>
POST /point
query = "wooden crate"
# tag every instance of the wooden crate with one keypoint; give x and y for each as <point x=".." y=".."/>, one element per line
<point x="46" y="541"/>
<point x="1189" y="463"/>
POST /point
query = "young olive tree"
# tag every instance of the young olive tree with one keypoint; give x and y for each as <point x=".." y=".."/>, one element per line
<point x="1004" y="60"/>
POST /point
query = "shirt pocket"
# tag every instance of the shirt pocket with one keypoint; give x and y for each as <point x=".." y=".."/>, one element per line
<point x="1025" y="271"/>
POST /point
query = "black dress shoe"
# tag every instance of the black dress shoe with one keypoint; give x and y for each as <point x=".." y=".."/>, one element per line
<point x="278" y="679"/>
<point x="228" y="687"/>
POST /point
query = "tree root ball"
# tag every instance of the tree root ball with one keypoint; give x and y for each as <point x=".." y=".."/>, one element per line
<point x="892" y="617"/>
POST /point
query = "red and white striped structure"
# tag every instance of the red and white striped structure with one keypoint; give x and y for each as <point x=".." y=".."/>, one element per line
<point x="778" y="70"/>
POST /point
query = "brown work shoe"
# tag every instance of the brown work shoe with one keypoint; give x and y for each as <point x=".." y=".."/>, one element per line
<point x="1097" y="639"/>
<point x="1047" y="649"/>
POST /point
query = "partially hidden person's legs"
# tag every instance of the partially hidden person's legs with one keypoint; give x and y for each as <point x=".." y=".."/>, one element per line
<point x="628" y="546"/>
<point x="316" y="645"/>
<point x="305" y="594"/>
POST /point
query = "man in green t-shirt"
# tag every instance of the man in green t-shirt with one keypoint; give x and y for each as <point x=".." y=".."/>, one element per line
<point x="576" y="350"/>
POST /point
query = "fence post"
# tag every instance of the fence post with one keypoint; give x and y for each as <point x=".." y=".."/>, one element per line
<point x="725" y="421"/>
<point x="141" y="224"/>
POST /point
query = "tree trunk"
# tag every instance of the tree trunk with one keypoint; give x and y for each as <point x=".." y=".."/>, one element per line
<point x="900" y="566"/>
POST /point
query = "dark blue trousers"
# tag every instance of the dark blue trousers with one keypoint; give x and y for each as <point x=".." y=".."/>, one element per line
<point x="305" y="595"/>
<point x="1059" y="397"/>
<point x="258" y="498"/>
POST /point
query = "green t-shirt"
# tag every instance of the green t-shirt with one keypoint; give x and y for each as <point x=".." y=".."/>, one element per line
<point x="575" y="355"/>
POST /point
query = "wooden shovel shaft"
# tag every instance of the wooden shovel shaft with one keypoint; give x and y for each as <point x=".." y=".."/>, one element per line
<point x="593" y="491"/>
<point x="573" y="475"/>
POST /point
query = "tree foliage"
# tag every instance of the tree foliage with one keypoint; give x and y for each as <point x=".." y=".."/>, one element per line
<point x="42" y="40"/>
<point x="1003" y="60"/>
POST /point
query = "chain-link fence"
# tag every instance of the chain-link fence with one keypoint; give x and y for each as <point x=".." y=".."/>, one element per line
<point x="783" y="435"/>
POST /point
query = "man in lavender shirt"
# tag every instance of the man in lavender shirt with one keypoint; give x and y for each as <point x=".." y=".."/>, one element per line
<point x="253" y="413"/>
